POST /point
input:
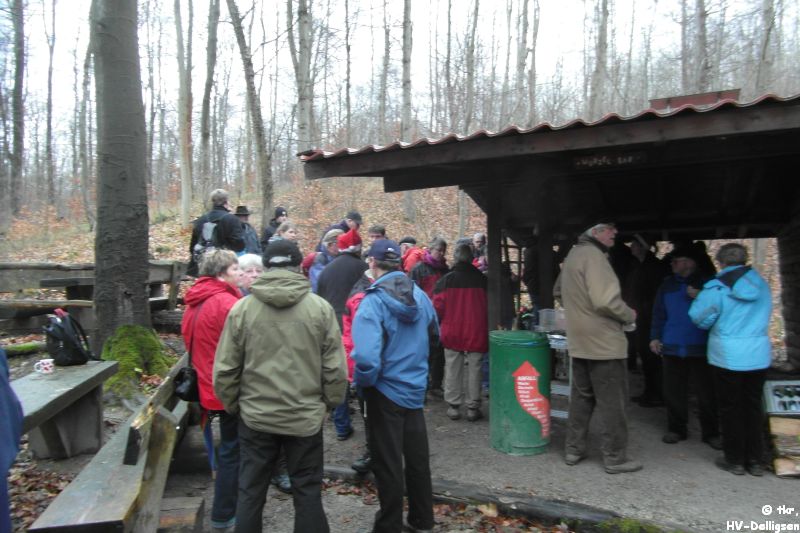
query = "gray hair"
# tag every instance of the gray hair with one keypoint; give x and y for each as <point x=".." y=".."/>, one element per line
<point x="215" y="262"/>
<point x="219" y="197"/>
<point x="249" y="261"/>
<point x="331" y="236"/>
<point x="462" y="254"/>
<point x="597" y="227"/>
<point x="284" y="227"/>
<point x="732" y="254"/>
<point x="479" y="236"/>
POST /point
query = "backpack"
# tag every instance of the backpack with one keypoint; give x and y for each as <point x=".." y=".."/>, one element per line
<point x="207" y="241"/>
<point x="66" y="341"/>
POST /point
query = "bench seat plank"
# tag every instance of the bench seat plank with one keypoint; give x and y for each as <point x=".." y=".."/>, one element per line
<point x="24" y="308"/>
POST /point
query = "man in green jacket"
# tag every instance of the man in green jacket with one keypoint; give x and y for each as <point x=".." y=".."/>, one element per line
<point x="595" y="316"/>
<point x="280" y="366"/>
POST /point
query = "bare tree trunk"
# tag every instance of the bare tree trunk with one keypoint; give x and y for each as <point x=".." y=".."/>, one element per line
<point x="257" y="123"/>
<point x="686" y="57"/>
<point x="522" y="61"/>
<point x="702" y="82"/>
<point x="121" y="243"/>
<point x="764" y="65"/>
<point x="205" y="130"/>
<point x="531" y="119"/>
<point x="17" y="106"/>
<point x="384" y="85"/>
<point x="405" y="128"/>
<point x="184" y="118"/>
<point x="301" y="60"/>
<point x="599" y="73"/>
<point x="470" y="82"/>
<point x="347" y="83"/>
<point x="448" y="75"/>
<point x="505" y="115"/>
<point x="84" y="125"/>
<point x="48" y="143"/>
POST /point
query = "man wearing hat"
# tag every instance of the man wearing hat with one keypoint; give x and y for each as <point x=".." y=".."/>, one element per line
<point x="412" y="254"/>
<point x="251" y="244"/>
<point x="280" y="366"/>
<point x="390" y="337"/>
<point x="269" y="230"/>
<point x="352" y="220"/>
<point x="682" y="347"/>
<point x="595" y="315"/>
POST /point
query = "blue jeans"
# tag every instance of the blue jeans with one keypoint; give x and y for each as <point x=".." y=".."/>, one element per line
<point x="341" y="415"/>
<point x="226" y="485"/>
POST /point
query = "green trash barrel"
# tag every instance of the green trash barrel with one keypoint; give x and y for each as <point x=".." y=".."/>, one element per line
<point x="519" y="385"/>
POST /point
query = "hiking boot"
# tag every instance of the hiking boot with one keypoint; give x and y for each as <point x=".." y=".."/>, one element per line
<point x="474" y="415"/>
<point x="282" y="482"/>
<point x="571" y="459"/>
<point x="673" y="438"/>
<point x="223" y="525"/>
<point x="715" y="442"/>
<point x="453" y="413"/>
<point x="755" y="469"/>
<point x="723" y="464"/>
<point x="412" y="529"/>
<point x="624" y="468"/>
<point x="363" y="465"/>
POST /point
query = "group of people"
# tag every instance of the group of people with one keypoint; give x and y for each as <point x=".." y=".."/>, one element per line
<point x="694" y="328"/>
<point x="278" y="340"/>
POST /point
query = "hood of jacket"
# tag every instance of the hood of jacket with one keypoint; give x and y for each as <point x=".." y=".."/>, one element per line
<point x="396" y="291"/>
<point x="206" y="287"/>
<point x="280" y="287"/>
<point x="744" y="288"/>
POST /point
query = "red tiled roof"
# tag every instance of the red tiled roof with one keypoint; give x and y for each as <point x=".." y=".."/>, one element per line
<point x="611" y="118"/>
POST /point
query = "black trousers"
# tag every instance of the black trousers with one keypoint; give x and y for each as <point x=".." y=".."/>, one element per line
<point x="741" y="413"/>
<point x="259" y="453"/>
<point x="651" y="363"/>
<point x="681" y="373"/>
<point x="397" y="434"/>
<point x="436" y="364"/>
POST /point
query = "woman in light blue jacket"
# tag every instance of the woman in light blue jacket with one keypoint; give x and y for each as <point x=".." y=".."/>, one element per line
<point x="735" y="307"/>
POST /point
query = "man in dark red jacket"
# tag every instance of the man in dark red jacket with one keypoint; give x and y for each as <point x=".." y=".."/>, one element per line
<point x="461" y="302"/>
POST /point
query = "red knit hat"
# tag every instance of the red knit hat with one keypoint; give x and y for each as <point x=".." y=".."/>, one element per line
<point x="348" y="240"/>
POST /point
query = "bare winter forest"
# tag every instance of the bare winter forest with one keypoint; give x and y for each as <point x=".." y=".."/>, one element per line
<point x="232" y="90"/>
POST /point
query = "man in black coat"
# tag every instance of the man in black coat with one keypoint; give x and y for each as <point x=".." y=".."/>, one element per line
<point x="226" y="233"/>
<point x="339" y="276"/>
<point x="269" y="230"/>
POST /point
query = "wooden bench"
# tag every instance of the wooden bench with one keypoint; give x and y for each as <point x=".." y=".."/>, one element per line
<point x="64" y="410"/>
<point x="121" y="488"/>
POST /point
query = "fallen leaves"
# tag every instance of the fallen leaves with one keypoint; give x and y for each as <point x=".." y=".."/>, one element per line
<point x="31" y="489"/>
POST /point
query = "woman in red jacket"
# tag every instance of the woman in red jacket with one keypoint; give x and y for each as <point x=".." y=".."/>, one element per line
<point x="208" y="302"/>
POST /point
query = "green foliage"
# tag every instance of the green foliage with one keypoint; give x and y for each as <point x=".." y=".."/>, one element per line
<point x="629" y="525"/>
<point x="139" y="352"/>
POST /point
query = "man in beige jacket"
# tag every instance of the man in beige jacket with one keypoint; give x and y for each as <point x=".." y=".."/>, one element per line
<point x="595" y="316"/>
<point x="279" y="367"/>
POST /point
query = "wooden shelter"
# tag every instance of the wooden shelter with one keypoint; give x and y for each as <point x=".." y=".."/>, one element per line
<point x="696" y="171"/>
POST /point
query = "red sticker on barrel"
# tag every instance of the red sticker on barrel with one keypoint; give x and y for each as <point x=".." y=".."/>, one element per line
<point x="526" y="385"/>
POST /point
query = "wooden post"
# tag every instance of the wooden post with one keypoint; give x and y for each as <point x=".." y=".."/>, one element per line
<point x="789" y="261"/>
<point x="494" y="230"/>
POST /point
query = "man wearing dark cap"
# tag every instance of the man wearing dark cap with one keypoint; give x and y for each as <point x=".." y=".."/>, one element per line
<point x="251" y="244"/>
<point x="682" y="347"/>
<point x="390" y="336"/>
<point x="598" y="348"/>
<point x="352" y="220"/>
<point x="280" y="366"/>
<point x="269" y="230"/>
<point x="411" y="253"/>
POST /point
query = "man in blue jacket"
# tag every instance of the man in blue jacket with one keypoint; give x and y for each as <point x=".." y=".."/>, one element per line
<point x="736" y="307"/>
<point x="682" y="347"/>
<point x="10" y="432"/>
<point x="390" y="336"/>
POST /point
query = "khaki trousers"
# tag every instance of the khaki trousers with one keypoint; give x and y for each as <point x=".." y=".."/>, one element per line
<point x="454" y="363"/>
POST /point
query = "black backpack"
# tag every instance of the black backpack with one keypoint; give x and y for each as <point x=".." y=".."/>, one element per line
<point x="66" y="341"/>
